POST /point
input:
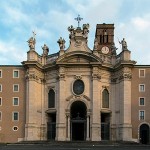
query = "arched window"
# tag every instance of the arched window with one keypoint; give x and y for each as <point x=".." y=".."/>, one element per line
<point x="105" y="99"/>
<point x="51" y="99"/>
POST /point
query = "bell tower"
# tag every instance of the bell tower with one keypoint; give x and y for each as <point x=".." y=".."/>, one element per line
<point x="105" y="37"/>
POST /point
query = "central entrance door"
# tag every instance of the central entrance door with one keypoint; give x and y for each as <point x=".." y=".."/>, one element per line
<point x="78" y="121"/>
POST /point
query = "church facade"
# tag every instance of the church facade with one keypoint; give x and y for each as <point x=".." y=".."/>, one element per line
<point x="79" y="94"/>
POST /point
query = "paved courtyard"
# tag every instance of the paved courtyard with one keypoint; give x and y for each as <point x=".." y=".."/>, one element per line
<point x="73" y="146"/>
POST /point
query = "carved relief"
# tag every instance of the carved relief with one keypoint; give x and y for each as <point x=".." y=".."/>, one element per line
<point x="78" y="43"/>
<point x="78" y="76"/>
<point x="61" y="76"/>
<point x="125" y="76"/>
<point x="78" y="97"/>
<point x="34" y="77"/>
<point x="96" y="76"/>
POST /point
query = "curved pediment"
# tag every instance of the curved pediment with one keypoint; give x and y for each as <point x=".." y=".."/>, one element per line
<point x="76" y="57"/>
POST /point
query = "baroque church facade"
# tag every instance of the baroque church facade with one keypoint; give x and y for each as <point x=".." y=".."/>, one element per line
<point x="83" y="94"/>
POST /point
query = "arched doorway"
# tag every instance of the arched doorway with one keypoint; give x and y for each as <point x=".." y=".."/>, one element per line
<point x="78" y="121"/>
<point x="144" y="134"/>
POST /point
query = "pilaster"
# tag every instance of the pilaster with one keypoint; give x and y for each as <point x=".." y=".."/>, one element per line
<point x="95" y="120"/>
<point x="35" y="127"/>
<point x="61" y="117"/>
<point x="125" y="127"/>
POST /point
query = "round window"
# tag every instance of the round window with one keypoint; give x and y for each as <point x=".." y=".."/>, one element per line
<point x="15" y="128"/>
<point x="78" y="87"/>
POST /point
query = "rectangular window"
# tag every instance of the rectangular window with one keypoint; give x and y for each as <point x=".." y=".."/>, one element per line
<point x="0" y="73"/>
<point x="0" y="87"/>
<point x="15" y="101"/>
<point x="16" y="88"/>
<point x="142" y="101"/>
<point x="0" y="101"/>
<point x="141" y="87"/>
<point x="141" y="114"/>
<point x="0" y="116"/>
<point x="16" y="74"/>
<point x="15" y="116"/>
<point x="142" y="73"/>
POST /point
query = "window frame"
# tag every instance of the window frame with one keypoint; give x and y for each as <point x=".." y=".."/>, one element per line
<point x="140" y="116"/>
<point x="14" y="73"/>
<point x="1" y="74"/>
<point x="140" y="87"/>
<point x="1" y="101"/>
<point x="53" y="101"/>
<point x="140" y="101"/>
<point x="13" y="117"/>
<point x="14" y="101"/>
<point x="15" y="127"/>
<point x="0" y="87"/>
<point x="14" y="87"/>
<point x="0" y="115"/>
<point x="140" y="73"/>
<point x="103" y="100"/>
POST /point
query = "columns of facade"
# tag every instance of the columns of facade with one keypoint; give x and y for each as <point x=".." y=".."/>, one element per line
<point x="68" y="126"/>
<point x="34" y="107"/>
<point x="114" y="106"/>
<point x="88" y="127"/>
<point x="61" y="117"/>
<point x="95" y="120"/>
<point x="125" y="127"/>
<point x="30" y="127"/>
<point x="43" y="116"/>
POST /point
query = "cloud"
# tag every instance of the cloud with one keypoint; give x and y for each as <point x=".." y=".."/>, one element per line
<point x="11" y="53"/>
<point x="50" y="20"/>
<point x="141" y="24"/>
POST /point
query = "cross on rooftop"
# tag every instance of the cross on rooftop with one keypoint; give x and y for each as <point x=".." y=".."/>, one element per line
<point x="78" y="19"/>
<point x="34" y="34"/>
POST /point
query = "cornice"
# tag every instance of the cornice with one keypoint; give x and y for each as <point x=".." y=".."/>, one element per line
<point x="33" y="64"/>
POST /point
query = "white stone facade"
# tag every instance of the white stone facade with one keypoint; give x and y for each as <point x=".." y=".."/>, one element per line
<point x="80" y="116"/>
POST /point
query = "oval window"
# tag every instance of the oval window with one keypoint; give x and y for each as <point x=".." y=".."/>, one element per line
<point x="78" y="87"/>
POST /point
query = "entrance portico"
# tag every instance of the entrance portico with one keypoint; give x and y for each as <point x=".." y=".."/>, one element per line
<point x="78" y="122"/>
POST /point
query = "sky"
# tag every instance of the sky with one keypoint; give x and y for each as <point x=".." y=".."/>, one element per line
<point x="49" y="19"/>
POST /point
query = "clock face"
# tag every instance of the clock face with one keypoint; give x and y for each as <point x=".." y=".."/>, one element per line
<point x="78" y="87"/>
<point x="105" y="50"/>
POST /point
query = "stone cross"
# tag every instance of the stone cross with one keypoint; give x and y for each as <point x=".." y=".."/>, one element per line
<point x="78" y="19"/>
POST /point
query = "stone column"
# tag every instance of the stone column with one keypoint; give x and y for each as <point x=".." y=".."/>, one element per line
<point x="43" y="116"/>
<point x="125" y="126"/>
<point x="88" y="127"/>
<point x="68" y="127"/>
<point x="33" y="113"/>
<point x="95" y="118"/>
<point x="61" y="117"/>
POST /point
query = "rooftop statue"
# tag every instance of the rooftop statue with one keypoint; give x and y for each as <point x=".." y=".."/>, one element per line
<point x="61" y="43"/>
<point x="32" y="41"/>
<point x="85" y="30"/>
<point x="45" y="50"/>
<point x="71" y="30"/>
<point x="124" y="44"/>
